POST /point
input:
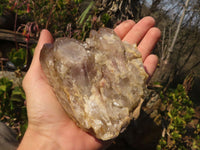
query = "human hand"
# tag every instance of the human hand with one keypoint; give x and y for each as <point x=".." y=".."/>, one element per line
<point x="145" y="35"/>
<point x="49" y="127"/>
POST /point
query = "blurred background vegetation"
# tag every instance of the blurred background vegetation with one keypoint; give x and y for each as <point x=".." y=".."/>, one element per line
<point x="175" y="102"/>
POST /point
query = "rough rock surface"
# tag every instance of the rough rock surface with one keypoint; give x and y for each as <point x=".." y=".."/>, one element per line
<point x="100" y="83"/>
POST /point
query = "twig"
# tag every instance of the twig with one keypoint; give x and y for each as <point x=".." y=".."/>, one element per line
<point x="15" y="26"/>
<point x="171" y="49"/>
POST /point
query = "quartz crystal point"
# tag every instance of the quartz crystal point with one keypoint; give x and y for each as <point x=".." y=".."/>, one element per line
<point x="99" y="83"/>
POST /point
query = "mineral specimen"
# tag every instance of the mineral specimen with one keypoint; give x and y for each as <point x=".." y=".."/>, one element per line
<point x="99" y="83"/>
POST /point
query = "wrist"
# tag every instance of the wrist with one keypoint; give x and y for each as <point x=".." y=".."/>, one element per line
<point x="34" y="140"/>
<point x="41" y="138"/>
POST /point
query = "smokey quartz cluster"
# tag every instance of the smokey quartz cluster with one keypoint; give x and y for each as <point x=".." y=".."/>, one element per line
<point x="99" y="82"/>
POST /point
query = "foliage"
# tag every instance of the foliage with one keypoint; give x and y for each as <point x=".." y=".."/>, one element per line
<point x="61" y="17"/>
<point x="84" y="14"/>
<point x="12" y="108"/>
<point x="105" y="18"/>
<point x="2" y="6"/>
<point x="18" y="57"/>
<point x="180" y="130"/>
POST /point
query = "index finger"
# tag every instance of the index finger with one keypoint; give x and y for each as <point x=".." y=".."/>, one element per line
<point x="123" y="28"/>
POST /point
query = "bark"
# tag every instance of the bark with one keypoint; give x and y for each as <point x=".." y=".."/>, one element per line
<point x="171" y="48"/>
<point x="166" y="71"/>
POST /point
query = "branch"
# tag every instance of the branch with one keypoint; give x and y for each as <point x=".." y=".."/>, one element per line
<point x="171" y="49"/>
<point x="15" y="36"/>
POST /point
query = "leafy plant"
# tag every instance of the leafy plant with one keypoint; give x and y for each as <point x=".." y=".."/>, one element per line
<point x="3" y="6"/>
<point x="18" y="57"/>
<point x="178" y="117"/>
<point x="85" y="13"/>
<point x="12" y="107"/>
<point x="105" y="18"/>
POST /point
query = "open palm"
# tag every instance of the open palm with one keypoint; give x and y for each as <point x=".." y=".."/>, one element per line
<point x="49" y="127"/>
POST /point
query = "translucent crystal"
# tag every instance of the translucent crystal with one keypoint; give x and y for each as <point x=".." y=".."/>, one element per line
<point x="99" y="83"/>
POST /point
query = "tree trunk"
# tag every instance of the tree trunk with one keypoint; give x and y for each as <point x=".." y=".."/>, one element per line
<point x="171" y="48"/>
<point x="165" y="73"/>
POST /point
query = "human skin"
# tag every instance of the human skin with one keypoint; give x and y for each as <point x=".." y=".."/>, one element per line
<point x="49" y="127"/>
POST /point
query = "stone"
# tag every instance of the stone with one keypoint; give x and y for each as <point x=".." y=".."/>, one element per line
<point x="8" y="138"/>
<point x="100" y="82"/>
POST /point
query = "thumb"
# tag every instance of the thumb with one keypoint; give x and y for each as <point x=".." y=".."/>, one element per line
<point x="45" y="37"/>
<point x="35" y="71"/>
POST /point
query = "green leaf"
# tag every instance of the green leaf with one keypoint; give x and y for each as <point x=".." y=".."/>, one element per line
<point x="169" y="114"/>
<point x="17" y="57"/>
<point x="84" y="14"/>
<point x="78" y="1"/>
<point x="18" y="95"/>
<point x="105" y="18"/>
<point x="6" y="84"/>
<point x="17" y="91"/>
<point x="3" y="88"/>
<point x="176" y="135"/>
